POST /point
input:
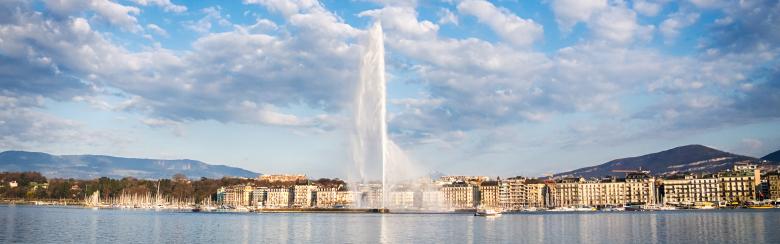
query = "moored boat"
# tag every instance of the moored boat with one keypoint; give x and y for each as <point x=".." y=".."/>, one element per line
<point x="760" y="206"/>
<point x="487" y="212"/>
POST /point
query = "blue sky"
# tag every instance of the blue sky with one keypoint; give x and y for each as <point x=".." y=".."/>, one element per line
<point x="498" y="88"/>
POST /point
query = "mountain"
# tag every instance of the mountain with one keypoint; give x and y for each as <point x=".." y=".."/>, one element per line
<point x="774" y="157"/>
<point x="690" y="158"/>
<point x="94" y="166"/>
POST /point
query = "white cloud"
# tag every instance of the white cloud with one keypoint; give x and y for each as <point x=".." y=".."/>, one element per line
<point x="447" y="17"/>
<point x="167" y="5"/>
<point x="513" y="29"/>
<point x="616" y="24"/>
<point x="157" y="30"/>
<point x="213" y="15"/>
<point x="402" y="20"/>
<point x="670" y="28"/>
<point x="569" y="12"/>
<point x="114" y="13"/>
<point x="647" y="8"/>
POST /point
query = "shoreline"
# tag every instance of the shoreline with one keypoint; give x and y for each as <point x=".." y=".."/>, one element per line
<point x="356" y="210"/>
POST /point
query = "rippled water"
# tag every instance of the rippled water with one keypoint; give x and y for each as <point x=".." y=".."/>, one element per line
<point x="30" y="224"/>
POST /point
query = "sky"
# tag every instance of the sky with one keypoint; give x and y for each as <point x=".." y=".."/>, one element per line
<point x="499" y="88"/>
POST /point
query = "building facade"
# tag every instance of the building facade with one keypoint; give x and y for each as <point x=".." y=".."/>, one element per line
<point x="460" y="195"/>
<point x="279" y="197"/>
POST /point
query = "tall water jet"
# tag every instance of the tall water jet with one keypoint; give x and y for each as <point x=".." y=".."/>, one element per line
<point x="370" y="113"/>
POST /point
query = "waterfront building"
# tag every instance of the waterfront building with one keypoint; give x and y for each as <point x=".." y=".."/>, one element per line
<point x="489" y="194"/>
<point x="690" y="189"/>
<point x="460" y="195"/>
<point x="283" y="178"/>
<point x="597" y="192"/>
<point x="432" y="199"/>
<point x="326" y="197"/>
<point x="641" y="188"/>
<point x="220" y="195"/>
<point x="503" y="195"/>
<point x="536" y="194"/>
<point x="304" y="196"/>
<point x="259" y="196"/>
<point x="371" y="195"/>
<point x="739" y="185"/>
<point x="347" y="199"/>
<point x="514" y="193"/>
<point x="238" y="195"/>
<point x="401" y="199"/>
<point x="773" y="183"/>
<point x="678" y="190"/>
<point x="566" y="192"/>
<point x="279" y="197"/>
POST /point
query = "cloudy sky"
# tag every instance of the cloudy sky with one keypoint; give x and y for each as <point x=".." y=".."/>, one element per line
<point x="475" y="87"/>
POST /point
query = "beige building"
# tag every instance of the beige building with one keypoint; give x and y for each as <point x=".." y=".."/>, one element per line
<point x="739" y="185"/>
<point x="239" y="195"/>
<point x="259" y="196"/>
<point x="515" y="193"/>
<point x="565" y="193"/>
<point x="283" y="178"/>
<point x="347" y="199"/>
<point x="773" y="180"/>
<point x="689" y="189"/>
<point x="489" y="194"/>
<point x="536" y="195"/>
<point x="460" y="195"/>
<point x="609" y="192"/>
<point x="304" y="196"/>
<point x="279" y="197"/>
<point x="641" y="189"/>
<point x="326" y="197"/>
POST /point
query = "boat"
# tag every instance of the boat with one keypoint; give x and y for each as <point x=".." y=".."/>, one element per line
<point x="584" y="209"/>
<point x="760" y="206"/>
<point x="705" y="205"/>
<point x="636" y="207"/>
<point x="667" y="208"/>
<point x="487" y="212"/>
<point x="614" y="209"/>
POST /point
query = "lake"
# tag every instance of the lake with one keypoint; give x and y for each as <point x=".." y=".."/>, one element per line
<point x="35" y="224"/>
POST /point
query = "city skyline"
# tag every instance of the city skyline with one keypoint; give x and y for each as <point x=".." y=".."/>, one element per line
<point x="511" y="88"/>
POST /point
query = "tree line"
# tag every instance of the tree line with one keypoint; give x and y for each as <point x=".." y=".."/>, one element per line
<point x="34" y="186"/>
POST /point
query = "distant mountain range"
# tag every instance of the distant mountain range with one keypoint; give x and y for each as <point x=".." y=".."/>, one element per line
<point x="94" y="166"/>
<point x="690" y="158"/>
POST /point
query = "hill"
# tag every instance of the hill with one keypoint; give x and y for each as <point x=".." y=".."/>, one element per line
<point x="94" y="166"/>
<point x="690" y="158"/>
<point x="774" y="157"/>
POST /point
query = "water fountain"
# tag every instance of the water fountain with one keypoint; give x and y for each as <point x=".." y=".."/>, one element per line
<point x="371" y="146"/>
<point x="370" y="111"/>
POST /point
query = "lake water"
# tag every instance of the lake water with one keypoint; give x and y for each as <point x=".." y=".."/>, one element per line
<point x="31" y="224"/>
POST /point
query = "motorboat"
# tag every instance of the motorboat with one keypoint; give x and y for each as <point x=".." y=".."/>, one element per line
<point x="487" y="212"/>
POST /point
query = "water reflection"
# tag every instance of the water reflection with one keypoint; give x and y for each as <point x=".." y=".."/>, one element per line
<point x="76" y="225"/>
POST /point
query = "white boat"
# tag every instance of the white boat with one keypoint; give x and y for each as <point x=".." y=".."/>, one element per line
<point x="584" y="209"/>
<point x="562" y="209"/>
<point x="666" y="208"/>
<point x="487" y="212"/>
<point x="613" y="209"/>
